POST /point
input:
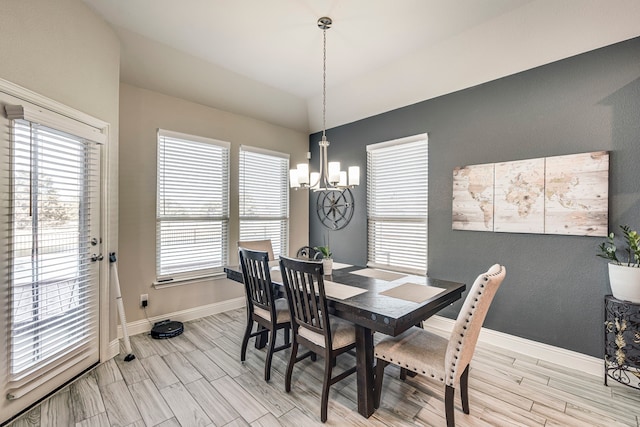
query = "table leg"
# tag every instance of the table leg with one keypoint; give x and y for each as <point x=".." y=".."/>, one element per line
<point x="364" y="370"/>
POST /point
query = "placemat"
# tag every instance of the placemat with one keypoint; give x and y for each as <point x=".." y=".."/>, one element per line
<point x="339" y="265"/>
<point x="276" y="276"/>
<point x="274" y="263"/>
<point x="412" y="292"/>
<point x="340" y="291"/>
<point x="332" y="289"/>
<point x="389" y="276"/>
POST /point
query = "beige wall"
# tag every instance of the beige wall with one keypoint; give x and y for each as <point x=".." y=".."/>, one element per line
<point x="142" y="112"/>
<point x="62" y="50"/>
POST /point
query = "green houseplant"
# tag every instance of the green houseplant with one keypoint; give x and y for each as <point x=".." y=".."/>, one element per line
<point x="624" y="264"/>
<point x="327" y="261"/>
<point x="324" y="250"/>
<point x="609" y="250"/>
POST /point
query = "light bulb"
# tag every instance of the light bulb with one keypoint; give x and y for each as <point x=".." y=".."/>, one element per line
<point x="354" y="175"/>
<point x="334" y="172"/>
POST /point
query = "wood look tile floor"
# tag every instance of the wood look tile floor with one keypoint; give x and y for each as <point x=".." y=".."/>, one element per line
<point x="197" y="379"/>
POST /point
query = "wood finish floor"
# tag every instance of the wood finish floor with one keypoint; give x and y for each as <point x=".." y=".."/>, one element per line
<point x="196" y="379"/>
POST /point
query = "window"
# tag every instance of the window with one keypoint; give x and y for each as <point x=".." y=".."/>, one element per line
<point x="264" y="197"/>
<point x="192" y="217"/>
<point x="397" y="189"/>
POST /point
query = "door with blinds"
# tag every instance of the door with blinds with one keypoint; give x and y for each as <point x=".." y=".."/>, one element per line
<point x="51" y="250"/>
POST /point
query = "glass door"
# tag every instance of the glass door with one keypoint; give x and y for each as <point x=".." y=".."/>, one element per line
<point x="52" y="256"/>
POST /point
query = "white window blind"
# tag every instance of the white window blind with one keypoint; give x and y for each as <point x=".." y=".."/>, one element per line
<point x="192" y="206"/>
<point x="53" y="282"/>
<point x="397" y="189"/>
<point x="264" y="197"/>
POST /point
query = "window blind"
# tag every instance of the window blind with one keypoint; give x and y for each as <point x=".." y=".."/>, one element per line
<point x="264" y="197"/>
<point x="397" y="209"/>
<point x="53" y="283"/>
<point x="192" y="206"/>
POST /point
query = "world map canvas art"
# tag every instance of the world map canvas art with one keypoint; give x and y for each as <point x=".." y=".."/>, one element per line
<point x="552" y="195"/>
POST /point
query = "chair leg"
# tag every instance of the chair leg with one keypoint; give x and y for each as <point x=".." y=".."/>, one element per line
<point x="267" y="362"/>
<point x="261" y="339"/>
<point x="464" y="390"/>
<point x="287" y="335"/>
<point x="448" y="406"/>
<point x="328" y="366"/>
<point x="245" y="339"/>
<point x="403" y="374"/>
<point x="380" y="365"/>
<point x="292" y="360"/>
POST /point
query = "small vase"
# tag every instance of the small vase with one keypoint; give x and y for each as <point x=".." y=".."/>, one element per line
<point x="327" y="266"/>
<point x="625" y="282"/>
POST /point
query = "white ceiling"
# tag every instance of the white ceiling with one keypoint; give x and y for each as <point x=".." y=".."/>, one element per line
<point x="263" y="58"/>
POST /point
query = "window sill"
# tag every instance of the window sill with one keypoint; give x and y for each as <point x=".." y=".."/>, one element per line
<point x="187" y="280"/>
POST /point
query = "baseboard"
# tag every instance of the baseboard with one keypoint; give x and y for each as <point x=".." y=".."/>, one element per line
<point x="143" y="326"/>
<point x="559" y="356"/>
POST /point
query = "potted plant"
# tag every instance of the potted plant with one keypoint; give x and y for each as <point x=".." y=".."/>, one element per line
<point x="327" y="261"/>
<point x="624" y="264"/>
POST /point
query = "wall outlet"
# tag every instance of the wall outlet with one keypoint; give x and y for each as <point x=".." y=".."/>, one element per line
<point x="144" y="300"/>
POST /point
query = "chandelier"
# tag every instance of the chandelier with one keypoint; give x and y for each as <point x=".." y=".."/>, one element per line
<point x="330" y="177"/>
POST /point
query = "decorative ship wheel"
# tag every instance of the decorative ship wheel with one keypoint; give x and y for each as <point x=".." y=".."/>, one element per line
<point x="335" y="208"/>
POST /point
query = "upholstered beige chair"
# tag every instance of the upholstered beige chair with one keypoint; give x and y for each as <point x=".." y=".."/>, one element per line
<point x="258" y="245"/>
<point x="270" y="313"/>
<point x="312" y="325"/>
<point x="445" y="360"/>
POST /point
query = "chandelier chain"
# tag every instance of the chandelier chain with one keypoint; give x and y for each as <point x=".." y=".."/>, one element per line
<point x="324" y="83"/>
<point x="330" y="178"/>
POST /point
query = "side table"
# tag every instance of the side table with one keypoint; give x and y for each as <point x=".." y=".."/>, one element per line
<point x="622" y="341"/>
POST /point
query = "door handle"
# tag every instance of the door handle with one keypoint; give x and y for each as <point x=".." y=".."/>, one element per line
<point x="98" y="257"/>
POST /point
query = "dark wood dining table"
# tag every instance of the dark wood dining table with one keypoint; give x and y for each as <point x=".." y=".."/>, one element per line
<point x="372" y="311"/>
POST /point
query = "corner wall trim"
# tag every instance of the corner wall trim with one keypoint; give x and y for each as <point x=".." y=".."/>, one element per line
<point x="143" y="326"/>
<point x="560" y="356"/>
<point x="112" y="350"/>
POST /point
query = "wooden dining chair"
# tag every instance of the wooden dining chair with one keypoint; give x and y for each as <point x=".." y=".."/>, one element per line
<point x="445" y="360"/>
<point x="269" y="313"/>
<point x="258" y="245"/>
<point x="312" y="325"/>
<point x="307" y="252"/>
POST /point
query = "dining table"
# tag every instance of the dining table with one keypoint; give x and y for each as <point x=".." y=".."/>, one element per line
<point x="380" y="301"/>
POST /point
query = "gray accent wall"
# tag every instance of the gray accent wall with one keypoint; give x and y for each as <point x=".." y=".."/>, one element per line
<point x="555" y="284"/>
